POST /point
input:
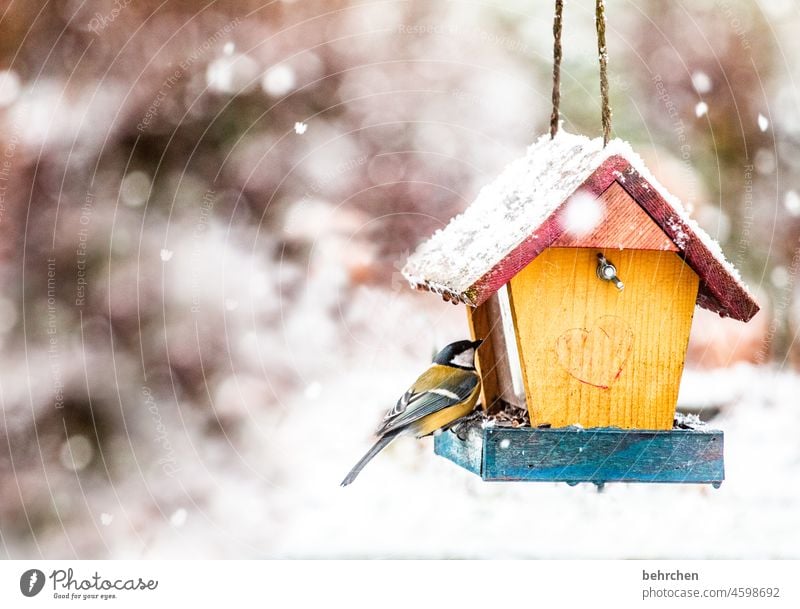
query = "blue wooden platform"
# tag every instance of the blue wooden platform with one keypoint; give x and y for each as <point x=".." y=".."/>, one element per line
<point x="575" y="455"/>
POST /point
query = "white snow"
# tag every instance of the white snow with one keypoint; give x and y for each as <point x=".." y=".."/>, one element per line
<point x="280" y="496"/>
<point x="278" y="80"/>
<point x="166" y="255"/>
<point x="76" y="452"/>
<point x="582" y="214"/>
<point x="106" y="519"/>
<point x="300" y="128"/>
<point x="701" y="81"/>
<point x="765" y="161"/>
<point x="763" y="122"/>
<point x="750" y="516"/>
<point x="505" y="443"/>
<point x="791" y="201"/>
<point x="681" y="238"/>
<point x="780" y="277"/>
<point x="232" y="74"/>
<point x="313" y="390"/>
<point x="10" y="86"/>
<point x="8" y="315"/>
<point x="135" y="188"/>
<point x="690" y="420"/>
<point x="701" y="109"/>
<point x="178" y="518"/>
<point x="513" y="206"/>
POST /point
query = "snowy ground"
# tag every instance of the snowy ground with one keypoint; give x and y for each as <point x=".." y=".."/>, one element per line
<point x="271" y="488"/>
<point x="257" y="403"/>
<point x="411" y="503"/>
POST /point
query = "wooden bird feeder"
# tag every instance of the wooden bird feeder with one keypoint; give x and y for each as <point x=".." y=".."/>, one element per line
<point x="581" y="273"/>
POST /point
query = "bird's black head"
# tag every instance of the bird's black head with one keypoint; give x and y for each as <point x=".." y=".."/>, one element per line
<point x="460" y="354"/>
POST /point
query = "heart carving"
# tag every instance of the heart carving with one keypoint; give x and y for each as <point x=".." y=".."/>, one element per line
<point x="596" y="356"/>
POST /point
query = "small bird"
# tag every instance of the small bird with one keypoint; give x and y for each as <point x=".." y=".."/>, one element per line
<point x="444" y="393"/>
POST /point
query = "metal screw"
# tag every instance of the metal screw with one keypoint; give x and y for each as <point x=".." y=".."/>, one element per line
<point x="608" y="272"/>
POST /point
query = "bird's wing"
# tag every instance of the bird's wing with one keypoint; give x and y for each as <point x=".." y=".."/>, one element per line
<point x="427" y="396"/>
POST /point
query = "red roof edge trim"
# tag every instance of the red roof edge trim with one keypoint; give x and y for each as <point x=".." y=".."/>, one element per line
<point x="550" y="230"/>
<point x="719" y="290"/>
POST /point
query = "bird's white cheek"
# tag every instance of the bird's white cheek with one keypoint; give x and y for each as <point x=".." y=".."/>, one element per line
<point x="464" y="359"/>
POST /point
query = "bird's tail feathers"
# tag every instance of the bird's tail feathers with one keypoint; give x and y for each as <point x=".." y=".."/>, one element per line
<point x="382" y="443"/>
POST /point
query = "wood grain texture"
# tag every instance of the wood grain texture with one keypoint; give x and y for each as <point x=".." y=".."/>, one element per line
<point x="623" y="225"/>
<point x="484" y="326"/>
<point x="505" y="382"/>
<point x="597" y="455"/>
<point x="596" y="356"/>
<point x="493" y="361"/>
<point x="541" y="237"/>
<point x="466" y="452"/>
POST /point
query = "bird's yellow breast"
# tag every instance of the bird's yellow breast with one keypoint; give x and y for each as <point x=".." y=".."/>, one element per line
<point x="438" y="376"/>
<point x="430" y="423"/>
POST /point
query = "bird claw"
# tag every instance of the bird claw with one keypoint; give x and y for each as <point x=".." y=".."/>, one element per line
<point x="461" y="426"/>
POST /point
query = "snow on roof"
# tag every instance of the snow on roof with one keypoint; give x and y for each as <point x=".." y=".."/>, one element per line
<point x="509" y="210"/>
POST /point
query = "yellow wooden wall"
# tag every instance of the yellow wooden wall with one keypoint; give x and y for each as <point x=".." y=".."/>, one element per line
<point x="593" y="355"/>
<point x="484" y="323"/>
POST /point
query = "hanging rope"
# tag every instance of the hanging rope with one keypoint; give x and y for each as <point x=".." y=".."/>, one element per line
<point x="600" y="22"/>
<point x="556" y="68"/>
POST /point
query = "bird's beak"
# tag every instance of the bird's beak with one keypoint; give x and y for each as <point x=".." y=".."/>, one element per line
<point x="477" y="343"/>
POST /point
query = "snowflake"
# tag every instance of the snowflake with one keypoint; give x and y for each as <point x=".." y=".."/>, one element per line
<point x="701" y="109"/>
<point x="582" y="214"/>
<point x="399" y="281"/>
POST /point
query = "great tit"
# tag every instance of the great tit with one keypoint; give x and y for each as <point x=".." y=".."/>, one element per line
<point x="444" y="393"/>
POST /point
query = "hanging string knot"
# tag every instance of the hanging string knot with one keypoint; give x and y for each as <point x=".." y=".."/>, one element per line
<point x="602" y="55"/>
<point x="556" y="68"/>
<point x="605" y="114"/>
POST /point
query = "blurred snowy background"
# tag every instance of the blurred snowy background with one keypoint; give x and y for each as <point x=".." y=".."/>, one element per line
<point x="203" y="212"/>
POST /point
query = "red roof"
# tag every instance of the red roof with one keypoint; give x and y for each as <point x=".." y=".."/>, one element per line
<point x="720" y="289"/>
